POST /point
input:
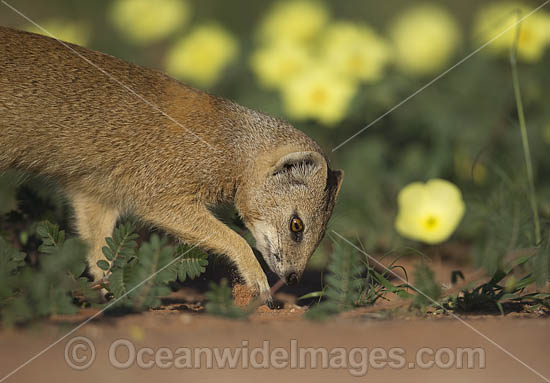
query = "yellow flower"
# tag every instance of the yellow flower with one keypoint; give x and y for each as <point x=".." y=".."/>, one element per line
<point x="69" y="31"/>
<point x="202" y="55"/>
<point x="496" y="18"/>
<point x="296" y="21"/>
<point x="429" y="212"/>
<point x="145" y="21"/>
<point x="355" y="51"/>
<point x="319" y="93"/>
<point x="277" y="64"/>
<point x="425" y="38"/>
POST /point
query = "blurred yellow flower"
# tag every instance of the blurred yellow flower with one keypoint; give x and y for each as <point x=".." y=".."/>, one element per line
<point x="294" y="20"/>
<point x="429" y="212"/>
<point x="425" y="38"/>
<point x="136" y="333"/>
<point x="202" y="55"/>
<point x="319" y="93"/>
<point x="72" y="32"/>
<point x="355" y="51"/>
<point x="145" y="21"/>
<point x="534" y="36"/>
<point x="276" y="64"/>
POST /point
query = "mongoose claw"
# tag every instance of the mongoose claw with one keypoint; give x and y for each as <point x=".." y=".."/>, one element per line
<point x="270" y="303"/>
<point x="267" y="299"/>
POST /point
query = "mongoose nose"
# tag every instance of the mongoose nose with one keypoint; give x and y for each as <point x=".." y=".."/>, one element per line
<point x="291" y="279"/>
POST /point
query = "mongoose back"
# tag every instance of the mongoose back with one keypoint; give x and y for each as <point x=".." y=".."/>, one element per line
<point x="121" y="139"/>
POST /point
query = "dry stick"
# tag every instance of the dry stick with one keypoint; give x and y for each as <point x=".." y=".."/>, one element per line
<point x="524" y="137"/>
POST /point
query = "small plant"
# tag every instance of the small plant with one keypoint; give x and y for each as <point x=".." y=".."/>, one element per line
<point x="221" y="303"/>
<point x="345" y="284"/>
<point x="352" y="282"/>
<point x="139" y="276"/>
<point x="45" y="288"/>
<point x="135" y="276"/>
<point x="120" y="249"/>
<point x="427" y="288"/>
<point x="493" y="295"/>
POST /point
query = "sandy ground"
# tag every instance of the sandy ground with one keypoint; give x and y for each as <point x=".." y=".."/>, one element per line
<point x="527" y="339"/>
<point x="510" y="348"/>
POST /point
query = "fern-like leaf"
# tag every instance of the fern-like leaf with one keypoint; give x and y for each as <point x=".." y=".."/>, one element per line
<point x="191" y="262"/>
<point x="120" y="247"/>
<point x="52" y="238"/>
<point x="344" y="284"/>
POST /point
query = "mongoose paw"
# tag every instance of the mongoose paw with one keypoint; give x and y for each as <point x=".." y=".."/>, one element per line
<point x="260" y="287"/>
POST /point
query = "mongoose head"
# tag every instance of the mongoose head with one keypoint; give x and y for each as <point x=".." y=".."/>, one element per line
<point x="290" y="205"/>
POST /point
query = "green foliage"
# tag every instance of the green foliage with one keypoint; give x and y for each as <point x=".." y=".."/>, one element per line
<point x="10" y="259"/>
<point x="345" y="285"/>
<point x="493" y="295"/>
<point x="52" y="237"/>
<point x="144" y="277"/>
<point x="28" y="292"/>
<point x="353" y="282"/>
<point x="138" y="277"/>
<point x="427" y="288"/>
<point x="120" y="248"/>
<point x="503" y="291"/>
<point x="380" y="285"/>
<point x="221" y="303"/>
<point x="191" y="262"/>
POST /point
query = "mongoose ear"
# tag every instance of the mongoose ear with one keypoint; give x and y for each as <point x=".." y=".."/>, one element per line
<point x="300" y="164"/>
<point x="334" y="181"/>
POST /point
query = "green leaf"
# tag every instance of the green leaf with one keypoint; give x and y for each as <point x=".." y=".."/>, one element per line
<point x="121" y="247"/>
<point x="191" y="262"/>
<point x="344" y="284"/>
<point x="103" y="265"/>
<point x="52" y="238"/>
<point x="314" y="294"/>
<point x="47" y="289"/>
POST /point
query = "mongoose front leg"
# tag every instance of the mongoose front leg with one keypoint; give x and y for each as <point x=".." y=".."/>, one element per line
<point x="197" y="226"/>
<point x="94" y="222"/>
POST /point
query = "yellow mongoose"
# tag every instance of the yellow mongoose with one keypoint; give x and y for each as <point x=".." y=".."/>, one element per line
<point x="125" y="139"/>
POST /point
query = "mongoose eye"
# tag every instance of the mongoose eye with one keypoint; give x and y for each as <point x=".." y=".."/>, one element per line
<point x="296" y="225"/>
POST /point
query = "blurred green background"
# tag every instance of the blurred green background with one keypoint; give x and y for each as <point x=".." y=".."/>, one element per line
<point x="334" y="67"/>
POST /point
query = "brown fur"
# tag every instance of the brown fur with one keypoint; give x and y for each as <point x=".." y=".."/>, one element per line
<point x="162" y="151"/>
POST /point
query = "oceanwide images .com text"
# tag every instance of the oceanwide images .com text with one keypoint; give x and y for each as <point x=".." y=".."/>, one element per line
<point x="80" y="354"/>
